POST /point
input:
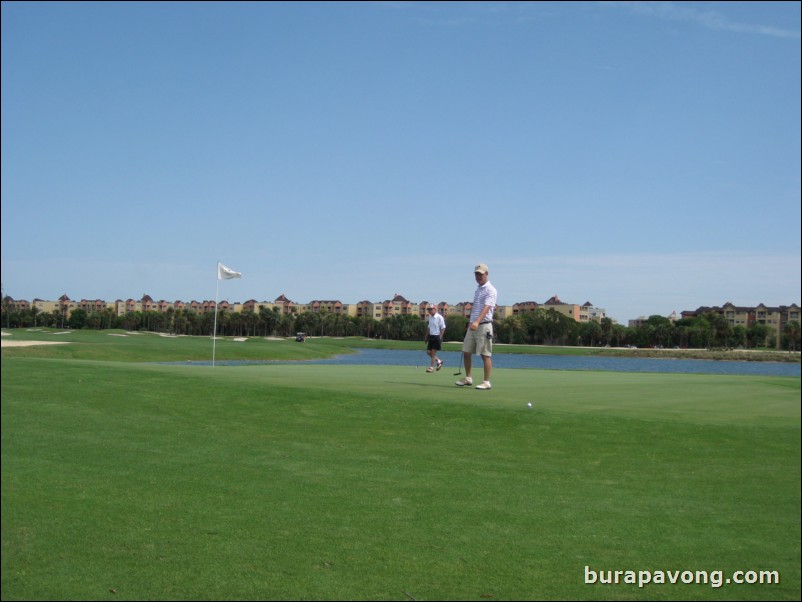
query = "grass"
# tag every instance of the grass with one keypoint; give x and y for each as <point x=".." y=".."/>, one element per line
<point x="148" y="346"/>
<point x="118" y="345"/>
<point x="130" y="480"/>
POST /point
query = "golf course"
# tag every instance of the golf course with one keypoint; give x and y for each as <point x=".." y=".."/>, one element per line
<point x="130" y="473"/>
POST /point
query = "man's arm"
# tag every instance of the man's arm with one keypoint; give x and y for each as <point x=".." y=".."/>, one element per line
<point x="482" y="314"/>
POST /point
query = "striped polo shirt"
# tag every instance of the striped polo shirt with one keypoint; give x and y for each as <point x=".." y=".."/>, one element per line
<point x="484" y="295"/>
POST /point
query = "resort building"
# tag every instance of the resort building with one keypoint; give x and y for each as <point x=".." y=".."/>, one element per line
<point x="397" y="306"/>
<point x="775" y="317"/>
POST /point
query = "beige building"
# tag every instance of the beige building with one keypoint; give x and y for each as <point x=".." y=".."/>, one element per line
<point x="43" y="307"/>
<point x="580" y="313"/>
<point x="775" y="317"/>
<point x="330" y="306"/>
<point x="282" y="303"/>
<point x="396" y="306"/>
<point x="399" y="306"/>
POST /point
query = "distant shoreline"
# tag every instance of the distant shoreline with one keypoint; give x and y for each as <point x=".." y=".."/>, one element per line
<point x="734" y="355"/>
<point x="731" y="355"/>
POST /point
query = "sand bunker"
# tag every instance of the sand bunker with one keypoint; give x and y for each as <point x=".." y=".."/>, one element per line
<point x="5" y="343"/>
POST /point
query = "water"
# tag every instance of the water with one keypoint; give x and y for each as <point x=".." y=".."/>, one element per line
<point x="401" y="357"/>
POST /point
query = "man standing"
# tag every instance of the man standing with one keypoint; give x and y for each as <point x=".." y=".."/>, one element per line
<point x="479" y="337"/>
<point x="437" y="326"/>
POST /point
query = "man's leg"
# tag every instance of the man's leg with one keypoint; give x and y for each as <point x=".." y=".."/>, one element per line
<point x="466" y="358"/>
<point x="488" y="366"/>
<point x="467" y="350"/>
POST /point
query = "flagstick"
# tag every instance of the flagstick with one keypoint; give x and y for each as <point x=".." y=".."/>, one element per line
<point x="214" y="331"/>
<point x="223" y="273"/>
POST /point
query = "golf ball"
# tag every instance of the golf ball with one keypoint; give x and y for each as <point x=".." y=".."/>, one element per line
<point x="529" y="404"/>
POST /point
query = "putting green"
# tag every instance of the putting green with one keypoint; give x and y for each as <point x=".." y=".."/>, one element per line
<point x="699" y="398"/>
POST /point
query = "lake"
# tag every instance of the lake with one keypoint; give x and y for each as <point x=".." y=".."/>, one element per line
<point x="403" y="357"/>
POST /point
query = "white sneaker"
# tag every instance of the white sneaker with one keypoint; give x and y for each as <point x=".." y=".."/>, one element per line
<point x="465" y="382"/>
<point x="485" y="386"/>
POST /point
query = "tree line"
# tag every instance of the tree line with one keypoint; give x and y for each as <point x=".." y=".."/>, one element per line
<point x="707" y="331"/>
<point x="541" y="327"/>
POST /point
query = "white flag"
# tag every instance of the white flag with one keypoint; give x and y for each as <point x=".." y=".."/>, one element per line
<point x="224" y="273"/>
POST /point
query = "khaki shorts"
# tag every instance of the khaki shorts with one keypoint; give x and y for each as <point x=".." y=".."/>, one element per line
<point x="479" y="341"/>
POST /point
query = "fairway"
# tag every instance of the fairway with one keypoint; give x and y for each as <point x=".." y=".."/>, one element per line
<point x="125" y="480"/>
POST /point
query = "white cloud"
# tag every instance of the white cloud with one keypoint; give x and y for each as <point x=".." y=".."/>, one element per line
<point x="706" y="18"/>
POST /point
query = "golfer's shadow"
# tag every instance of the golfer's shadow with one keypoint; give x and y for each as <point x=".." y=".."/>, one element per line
<point x="411" y="384"/>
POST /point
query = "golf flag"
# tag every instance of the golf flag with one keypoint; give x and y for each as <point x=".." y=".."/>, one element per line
<point x="224" y="273"/>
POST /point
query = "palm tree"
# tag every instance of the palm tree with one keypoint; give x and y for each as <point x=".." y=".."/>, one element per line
<point x="607" y="329"/>
<point x="512" y="327"/>
<point x="269" y="318"/>
<point x="792" y="335"/>
<point x="590" y="332"/>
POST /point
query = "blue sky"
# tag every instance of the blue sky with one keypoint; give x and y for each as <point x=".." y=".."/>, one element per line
<point x="644" y="157"/>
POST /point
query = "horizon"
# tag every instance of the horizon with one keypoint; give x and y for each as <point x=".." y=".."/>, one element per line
<point x="422" y="301"/>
